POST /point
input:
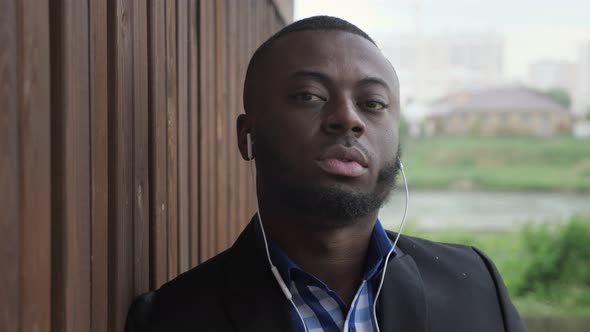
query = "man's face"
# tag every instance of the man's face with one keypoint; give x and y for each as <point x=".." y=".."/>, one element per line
<point x="327" y="123"/>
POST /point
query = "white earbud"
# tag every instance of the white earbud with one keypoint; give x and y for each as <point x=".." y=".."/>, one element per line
<point x="249" y="140"/>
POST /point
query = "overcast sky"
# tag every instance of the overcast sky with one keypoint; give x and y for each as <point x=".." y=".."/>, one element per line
<point x="533" y="29"/>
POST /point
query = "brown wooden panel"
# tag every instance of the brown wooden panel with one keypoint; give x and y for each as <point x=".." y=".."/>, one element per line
<point x="121" y="154"/>
<point x="183" y="159"/>
<point x="35" y="167"/>
<point x="134" y="163"/>
<point x="141" y="184"/>
<point x="158" y="143"/>
<point x="233" y="102"/>
<point x="213" y="152"/>
<point x="10" y="190"/>
<point x="221" y="111"/>
<point x="193" y="115"/>
<point x="205" y="69"/>
<point x="172" y="129"/>
<point x="71" y="169"/>
<point x="99" y="165"/>
<point x="203" y="136"/>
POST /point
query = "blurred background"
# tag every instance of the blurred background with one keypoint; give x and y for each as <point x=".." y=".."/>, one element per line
<point x="496" y="136"/>
<point x="119" y="167"/>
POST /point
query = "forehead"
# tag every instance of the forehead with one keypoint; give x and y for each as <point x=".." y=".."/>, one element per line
<point x="339" y="54"/>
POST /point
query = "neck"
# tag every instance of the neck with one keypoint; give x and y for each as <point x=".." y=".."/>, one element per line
<point x="335" y="255"/>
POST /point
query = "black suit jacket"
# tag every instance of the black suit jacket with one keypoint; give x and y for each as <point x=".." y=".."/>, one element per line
<point x="428" y="287"/>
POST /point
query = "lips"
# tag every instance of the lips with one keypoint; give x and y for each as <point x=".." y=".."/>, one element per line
<point x="343" y="161"/>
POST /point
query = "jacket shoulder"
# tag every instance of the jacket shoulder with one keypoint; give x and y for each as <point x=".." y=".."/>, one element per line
<point x="192" y="299"/>
<point x="202" y="278"/>
<point x="455" y="261"/>
<point x="420" y="247"/>
<point x="467" y="278"/>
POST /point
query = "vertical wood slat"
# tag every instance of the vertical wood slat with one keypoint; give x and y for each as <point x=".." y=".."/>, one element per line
<point x="71" y="175"/>
<point x="183" y="127"/>
<point x="121" y="128"/>
<point x="220" y="114"/>
<point x="25" y="166"/>
<point x="35" y="166"/>
<point x="99" y="165"/>
<point x="194" y="149"/>
<point x="203" y="133"/>
<point x="211" y="156"/>
<point x="212" y="152"/>
<point x="172" y="135"/>
<point x="10" y="190"/>
<point x="77" y="158"/>
<point x="140" y="194"/>
<point x="229" y="117"/>
<point x="229" y="122"/>
<point x="207" y="217"/>
<point x="158" y="144"/>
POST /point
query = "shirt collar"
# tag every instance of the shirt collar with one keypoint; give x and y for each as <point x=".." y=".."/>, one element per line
<point x="379" y="247"/>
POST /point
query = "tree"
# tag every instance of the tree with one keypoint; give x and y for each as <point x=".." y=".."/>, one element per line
<point x="587" y="117"/>
<point x="560" y="96"/>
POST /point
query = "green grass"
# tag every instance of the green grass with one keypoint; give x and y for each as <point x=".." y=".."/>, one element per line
<point x="546" y="269"/>
<point x="508" y="163"/>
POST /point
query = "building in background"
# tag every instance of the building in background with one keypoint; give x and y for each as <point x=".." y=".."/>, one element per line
<point x="498" y="111"/>
<point x="547" y="74"/>
<point x="435" y="65"/>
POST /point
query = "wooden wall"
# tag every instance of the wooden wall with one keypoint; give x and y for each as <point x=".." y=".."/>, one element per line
<point x="119" y="166"/>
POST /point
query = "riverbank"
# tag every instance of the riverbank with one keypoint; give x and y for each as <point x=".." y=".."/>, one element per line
<point x="482" y="211"/>
<point x="498" y="164"/>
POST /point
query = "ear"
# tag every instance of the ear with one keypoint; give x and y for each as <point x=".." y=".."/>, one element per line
<point x="244" y="127"/>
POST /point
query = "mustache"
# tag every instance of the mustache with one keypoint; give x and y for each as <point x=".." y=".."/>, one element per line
<point x="352" y="142"/>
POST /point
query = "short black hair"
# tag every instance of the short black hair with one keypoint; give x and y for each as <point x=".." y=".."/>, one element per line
<point x="314" y="23"/>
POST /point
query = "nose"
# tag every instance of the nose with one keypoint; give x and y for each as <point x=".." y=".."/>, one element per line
<point x="343" y="118"/>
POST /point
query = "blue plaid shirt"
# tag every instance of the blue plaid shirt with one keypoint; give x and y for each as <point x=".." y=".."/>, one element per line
<point x="321" y="308"/>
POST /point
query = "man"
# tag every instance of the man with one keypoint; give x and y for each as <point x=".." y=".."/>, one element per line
<point x="322" y="115"/>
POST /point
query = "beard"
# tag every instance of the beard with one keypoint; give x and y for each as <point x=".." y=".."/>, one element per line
<point x="332" y="204"/>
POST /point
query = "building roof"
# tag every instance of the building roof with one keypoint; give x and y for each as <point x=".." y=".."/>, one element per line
<point x="511" y="98"/>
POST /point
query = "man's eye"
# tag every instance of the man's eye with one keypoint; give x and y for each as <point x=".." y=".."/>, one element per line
<point x="372" y="105"/>
<point x="308" y="97"/>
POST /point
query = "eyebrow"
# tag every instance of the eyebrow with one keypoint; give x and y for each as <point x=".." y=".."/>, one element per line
<point x="316" y="75"/>
<point x="374" y="80"/>
<point x="319" y="76"/>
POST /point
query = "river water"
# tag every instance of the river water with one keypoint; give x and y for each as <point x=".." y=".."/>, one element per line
<point x="480" y="210"/>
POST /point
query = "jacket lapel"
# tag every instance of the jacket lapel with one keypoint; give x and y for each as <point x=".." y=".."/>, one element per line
<point x="254" y="300"/>
<point x="402" y="304"/>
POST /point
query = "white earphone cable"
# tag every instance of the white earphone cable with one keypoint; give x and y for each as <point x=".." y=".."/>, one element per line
<point x="401" y="227"/>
